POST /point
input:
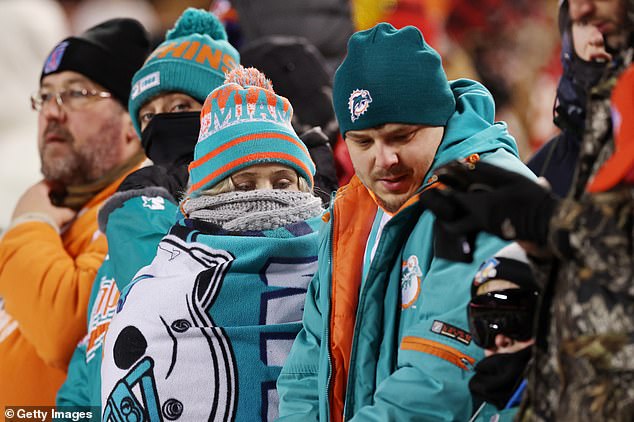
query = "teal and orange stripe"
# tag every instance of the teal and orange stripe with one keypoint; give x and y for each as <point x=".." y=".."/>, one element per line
<point x="247" y="158"/>
<point x="246" y="138"/>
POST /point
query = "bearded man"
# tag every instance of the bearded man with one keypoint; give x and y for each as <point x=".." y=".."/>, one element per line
<point x="52" y="249"/>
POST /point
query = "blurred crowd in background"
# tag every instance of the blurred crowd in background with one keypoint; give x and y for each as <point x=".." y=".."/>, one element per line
<point x="512" y="47"/>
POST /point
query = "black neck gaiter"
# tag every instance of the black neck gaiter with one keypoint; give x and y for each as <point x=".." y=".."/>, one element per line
<point x="169" y="139"/>
<point x="498" y="376"/>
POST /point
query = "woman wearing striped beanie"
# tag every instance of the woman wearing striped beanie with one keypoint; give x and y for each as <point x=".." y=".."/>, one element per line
<point x="203" y="331"/>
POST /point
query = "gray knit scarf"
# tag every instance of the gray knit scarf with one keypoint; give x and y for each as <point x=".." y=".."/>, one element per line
<point x="254" y="210"/>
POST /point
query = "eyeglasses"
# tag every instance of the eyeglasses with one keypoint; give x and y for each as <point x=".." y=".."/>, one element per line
<point x="510" y="312"/>
<point x="72" y="99"/>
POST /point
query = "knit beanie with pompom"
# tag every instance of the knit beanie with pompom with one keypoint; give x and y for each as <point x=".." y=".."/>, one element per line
<point x="192" y="60"/>
<point x="244" y="123"/>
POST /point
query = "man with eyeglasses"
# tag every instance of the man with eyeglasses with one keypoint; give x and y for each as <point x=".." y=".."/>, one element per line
<point x="52" y="248"/>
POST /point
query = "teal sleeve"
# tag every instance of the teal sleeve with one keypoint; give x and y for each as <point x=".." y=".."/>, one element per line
<point x="410" y="393"/>
<point x="431" y="379"/>
<point x="82" y="387"/>
<point x="134" y="229"/>
<point x="298" y="382"/>
<point x="75" y="391"/>
<point x="433" y="370"/>
<point x="506" y="160"/>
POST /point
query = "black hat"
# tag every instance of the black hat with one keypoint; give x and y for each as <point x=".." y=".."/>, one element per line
<point x="108" y="54"/>
<point x="509" y="263"/>
<point x="298" y="72"/>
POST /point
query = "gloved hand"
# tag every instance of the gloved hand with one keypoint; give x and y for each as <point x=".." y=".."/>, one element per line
<point x="173" y="178"/>
<point x="483" y="197"/>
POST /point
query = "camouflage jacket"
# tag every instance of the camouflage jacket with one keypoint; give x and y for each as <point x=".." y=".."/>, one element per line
<point x="584" y="359"/>
<point x="583" y="367"/>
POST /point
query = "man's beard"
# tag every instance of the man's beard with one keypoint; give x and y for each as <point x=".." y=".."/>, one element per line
<point x="70" y="163"/>
<point x="391" y="204"/>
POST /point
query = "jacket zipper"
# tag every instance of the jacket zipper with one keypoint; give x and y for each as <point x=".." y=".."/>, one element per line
<point x="357" y="327"/>
<point x="327" y="330"/>
<point x="440" y="350"/>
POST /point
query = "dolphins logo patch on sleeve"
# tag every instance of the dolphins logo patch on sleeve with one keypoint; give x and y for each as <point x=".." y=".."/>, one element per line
<point x="410" y="281"/>
<point x="358" y="103"/>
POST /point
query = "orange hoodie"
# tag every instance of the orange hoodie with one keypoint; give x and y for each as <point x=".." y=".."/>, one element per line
<point x="45" y="282"/>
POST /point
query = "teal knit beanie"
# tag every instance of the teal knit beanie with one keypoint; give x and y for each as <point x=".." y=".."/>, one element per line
<point x="192" y="60"/>
<point x="391" y="76"/>
<point x="244" y="123"/>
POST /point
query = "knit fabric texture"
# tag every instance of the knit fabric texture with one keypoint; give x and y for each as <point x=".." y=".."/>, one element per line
<point x="192" y="60"/>
<point x="108" y="54"/>
<point x="391" y="76"/>
<point x="254" y="210"/>
<point x="243" y="125"/>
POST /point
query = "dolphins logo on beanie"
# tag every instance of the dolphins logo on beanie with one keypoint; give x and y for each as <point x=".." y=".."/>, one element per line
<point x="391" y="76"/>
<point x="244" y="123"/>
<point x="193" y="59"/>
<point x="358" y="103"/>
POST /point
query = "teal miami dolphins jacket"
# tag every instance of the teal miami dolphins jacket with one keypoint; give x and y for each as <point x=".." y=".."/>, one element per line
<point x="394" y="346"/>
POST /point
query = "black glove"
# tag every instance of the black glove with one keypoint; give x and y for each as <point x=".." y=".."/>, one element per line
<point x="173" y="178"/>
<point x="483" y="197"/>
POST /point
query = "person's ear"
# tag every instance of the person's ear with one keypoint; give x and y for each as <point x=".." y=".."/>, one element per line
<point x="131" y="141"/>
<point x="130" y="132"/>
